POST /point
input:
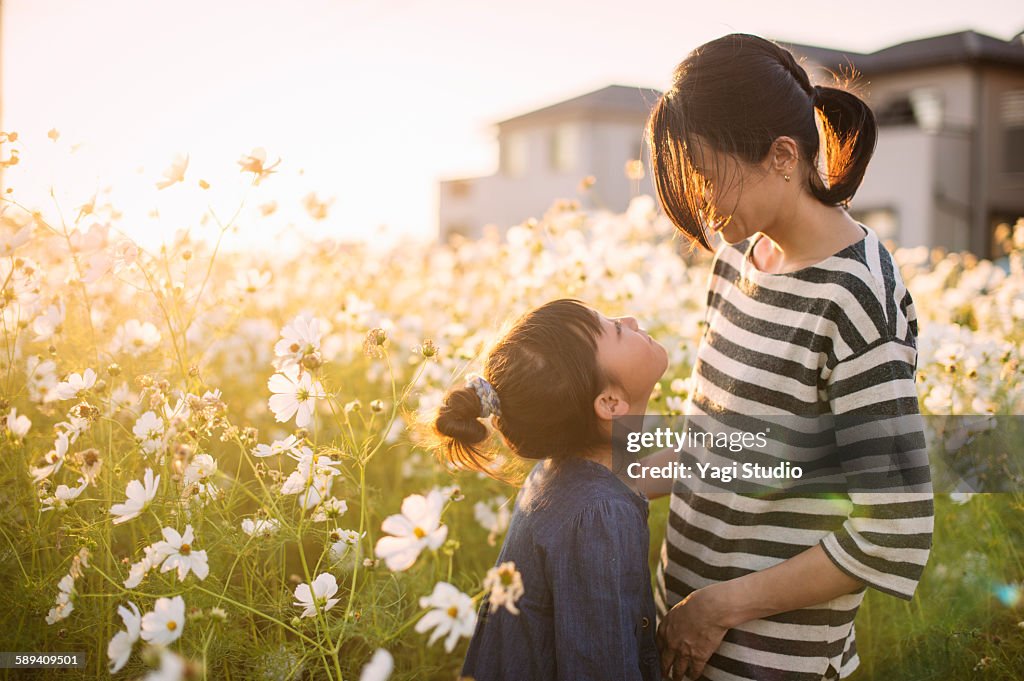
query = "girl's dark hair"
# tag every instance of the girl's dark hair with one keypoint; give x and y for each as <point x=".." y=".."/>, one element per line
<point x="546" y="375"/>
<point x="737" y="94"/>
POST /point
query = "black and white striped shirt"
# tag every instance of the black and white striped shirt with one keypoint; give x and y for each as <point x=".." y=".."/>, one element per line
<point x="836" y="339"/>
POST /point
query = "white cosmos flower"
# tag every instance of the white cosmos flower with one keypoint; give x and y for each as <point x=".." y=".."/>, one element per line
<point x="63" y="495"/>
<point x="961" y="498"/>
<point x="452" y="615"/>
<point x="53" y="460"/>
<point x="294" y="395"/>
<point x="12" y="241"/>
<point x="135" y="338"/>
<point x="199" y="469"/>
<point x="324" y="586"/>
<point x="139" y="570"/>
<point x="149" y="431"/>
<point x="251" y="280"/>
<point x="164" y="625"/>
<point x="417" y="527"/>
<point x="493" y="516"/>
<point x="18" y="425"/>
<point x="173" y="667"/>
<point x="175" y="172"/>
<point x="72" y="428"/>
<point x="47" y="324"/>
<point x="330" y="508"/>
<point x="69" y="388"/>
<point x="504" y="585"/>
<point x="379" y="667"/>
<point x="63" y="605"/>
<point x="176" y="552"/>
<point x="120" y="647"/>
<point x="139" y="495"/>
<point x="61" y="610"/>
<point x="300" y="337"/>
<point x="42" y="379"/>
<point x="288" y="445"/>
<point x="259" y="527"/>
<point x="312" y="478"/>
<point x="346" y="539"/>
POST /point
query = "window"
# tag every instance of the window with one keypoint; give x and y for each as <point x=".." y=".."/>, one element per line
<point x="1012" y="117"/>
<point x="922" y="107"/>
<point x="898" y="111"/>
<point x="513" y="154"/>
<point x="927" y="105"/>
<point x="565" y="146"/>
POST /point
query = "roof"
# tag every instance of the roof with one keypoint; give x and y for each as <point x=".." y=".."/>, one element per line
<point x="617" y="99"/>
<point x="954" y="48"/>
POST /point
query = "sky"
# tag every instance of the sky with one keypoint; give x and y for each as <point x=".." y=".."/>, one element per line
<point x="369" y="103"/>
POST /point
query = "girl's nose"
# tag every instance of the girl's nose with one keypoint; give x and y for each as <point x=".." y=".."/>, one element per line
<point x="631" y="323"/>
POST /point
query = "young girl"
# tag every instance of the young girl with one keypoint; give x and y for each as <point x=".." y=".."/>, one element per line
<point x="807" y="318"/>
<point x="578" y="534"/>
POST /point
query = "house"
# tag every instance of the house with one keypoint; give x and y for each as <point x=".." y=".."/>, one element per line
<point x="949" y="163"/>
<point x="948" y="166"/>
<point x="545" y="154"/>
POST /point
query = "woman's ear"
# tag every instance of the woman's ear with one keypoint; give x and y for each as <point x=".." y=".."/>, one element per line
<point x="783" y="156"/>
<point x="610" y="403"/>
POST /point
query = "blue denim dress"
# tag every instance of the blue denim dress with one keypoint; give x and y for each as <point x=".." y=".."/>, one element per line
<point x="579" y="537"/>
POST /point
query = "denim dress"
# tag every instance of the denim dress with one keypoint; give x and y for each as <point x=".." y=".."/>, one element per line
<point x="579" y="537"/>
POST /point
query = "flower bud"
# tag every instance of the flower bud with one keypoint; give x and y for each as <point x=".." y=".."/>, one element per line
<point x="312" y="361"/>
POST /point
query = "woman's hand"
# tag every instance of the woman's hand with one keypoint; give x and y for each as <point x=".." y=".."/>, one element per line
<point x="690" y="634"/>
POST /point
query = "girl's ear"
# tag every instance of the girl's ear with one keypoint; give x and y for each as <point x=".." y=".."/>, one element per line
<point x="610" y="403"/>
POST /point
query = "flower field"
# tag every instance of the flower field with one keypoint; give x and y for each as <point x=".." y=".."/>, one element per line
<point x="211" y="463"/>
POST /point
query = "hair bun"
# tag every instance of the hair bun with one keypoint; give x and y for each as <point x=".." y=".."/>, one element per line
<point x="459" y="417"/>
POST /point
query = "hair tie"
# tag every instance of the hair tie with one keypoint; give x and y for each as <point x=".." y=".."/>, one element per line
<point x="815" y="95"/>
<point x="489" y="403"/>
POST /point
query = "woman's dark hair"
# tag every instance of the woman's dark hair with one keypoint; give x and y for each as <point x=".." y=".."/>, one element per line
<point x="738" y="94"/>
<point x="546" y="376"/>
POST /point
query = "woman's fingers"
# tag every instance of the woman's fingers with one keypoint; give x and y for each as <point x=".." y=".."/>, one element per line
<point x="679" y="668"/>
<point x="697" y="667"/>
<point x="673" y="664"/>
<point x="668" y="656"/>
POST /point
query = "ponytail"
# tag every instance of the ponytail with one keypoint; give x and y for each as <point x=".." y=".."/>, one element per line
<point x="459" y="425"/>
<point x="850" y="136"/>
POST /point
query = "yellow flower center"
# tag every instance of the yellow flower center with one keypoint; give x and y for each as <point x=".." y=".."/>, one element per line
<point x="420" y="534"/>
<point x="453" y="612"/>
<point x="185" y="549"/>
<point x="172" y="625"/>
<point x="506" y="577"/>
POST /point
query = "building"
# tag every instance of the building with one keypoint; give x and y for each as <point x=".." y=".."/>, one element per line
<point x="949" y="164"/>
<point x="544" y="155"/>
<point x="948" y="167"/>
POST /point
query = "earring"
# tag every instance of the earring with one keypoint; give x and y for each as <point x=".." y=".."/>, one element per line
<point x="786" y="177"/>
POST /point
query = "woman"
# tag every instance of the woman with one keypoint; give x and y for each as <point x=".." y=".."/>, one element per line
<point x="807" y="318"/>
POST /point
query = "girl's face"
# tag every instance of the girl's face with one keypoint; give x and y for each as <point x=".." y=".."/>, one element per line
<point x="631" y="358"/>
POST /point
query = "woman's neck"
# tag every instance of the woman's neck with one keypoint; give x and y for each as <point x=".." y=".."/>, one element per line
<point x="806" y="234"/>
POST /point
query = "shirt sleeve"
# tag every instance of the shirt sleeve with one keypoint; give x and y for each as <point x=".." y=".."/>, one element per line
<point x="597" y="578"/>
<point x="886" y="540"/>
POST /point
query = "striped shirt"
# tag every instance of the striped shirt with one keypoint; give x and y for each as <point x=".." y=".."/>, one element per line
<point x="834" y="340"/>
